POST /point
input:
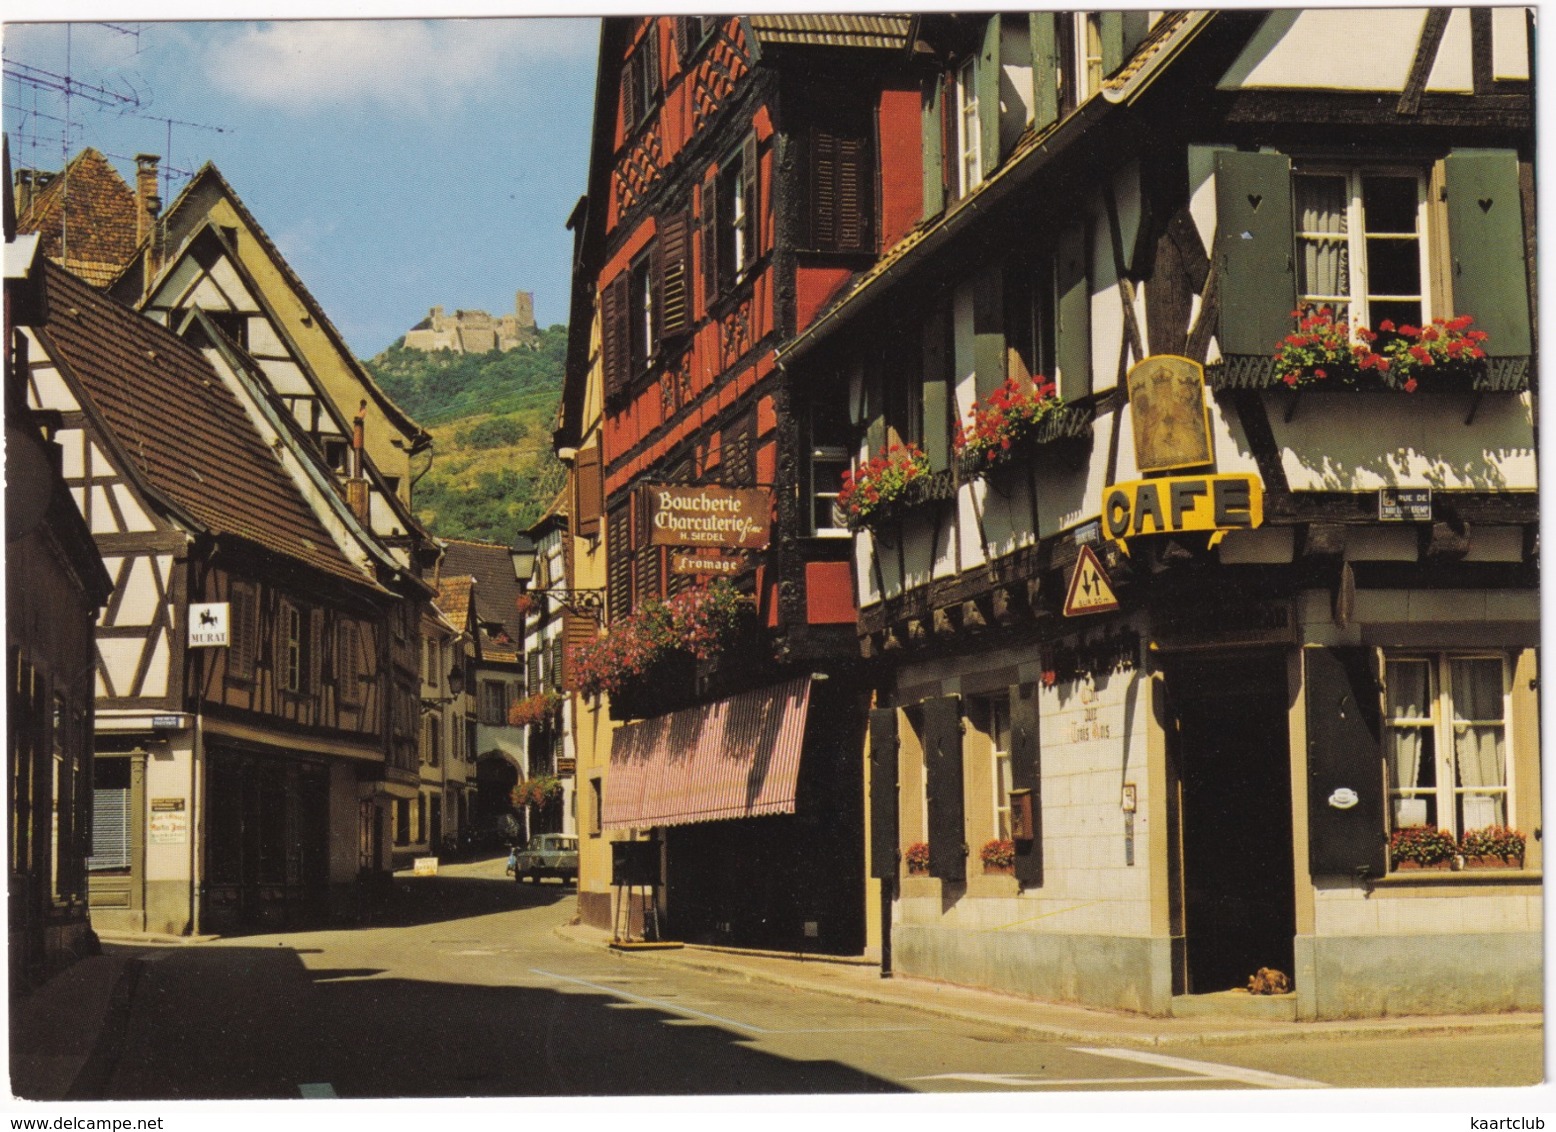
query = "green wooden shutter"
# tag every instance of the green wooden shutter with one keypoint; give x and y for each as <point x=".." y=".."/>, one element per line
<point x="1343" y="754"/>
<point x="1072" y="348"/>
<point x="1254" y="249"/>
<point x="987" y="77"/>
<point x="1042" y="27"/>
<point x="936" y="390"/>
<point x="989" y="330"/>
<point x="947" y="804"/>
<point x="883" y="792"/>
<point x="1486" y="243"/>
<point x="1122" y="32"/>
<point x="934" y="153"/>
<point x="1026" y="775"/>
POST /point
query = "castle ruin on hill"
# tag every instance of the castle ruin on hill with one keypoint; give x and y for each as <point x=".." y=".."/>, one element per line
<point x="476" y="332"/>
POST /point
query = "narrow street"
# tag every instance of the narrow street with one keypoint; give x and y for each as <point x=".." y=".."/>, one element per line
<point x="467" y="989"/>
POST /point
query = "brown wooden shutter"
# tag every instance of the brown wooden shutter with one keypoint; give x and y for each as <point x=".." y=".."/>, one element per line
<point x="618" y="558"/>
<point x="823" y="189"/>
<point x="710" y="240"/>
<point x="751" y="174"/>
<point x="1026" y="780"/>
<point x="855" y="195"/>
<point x="587" y="499"/>
<point x="947" y="802"/>
<point x="578" y="631"/>
<point x="615" y="338"/>
<point x="629" y="97"/>
<point x="883" y="792"/>
<point x="685" y="37"/>
<point x="675" y="254"/>
<point x="650" y="50"/>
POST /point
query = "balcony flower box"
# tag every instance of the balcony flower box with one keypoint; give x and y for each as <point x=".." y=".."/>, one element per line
<point x="659" y="637"/>
<point x="1446" y="355"/>
<point x="1013" y="424"/>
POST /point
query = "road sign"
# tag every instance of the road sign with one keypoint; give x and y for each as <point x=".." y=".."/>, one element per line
<point x="1090" y="590"/>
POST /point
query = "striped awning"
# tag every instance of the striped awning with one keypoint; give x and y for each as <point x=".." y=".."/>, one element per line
<point x="738" y="758"/>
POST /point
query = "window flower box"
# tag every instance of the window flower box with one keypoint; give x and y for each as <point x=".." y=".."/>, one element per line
<point x="695" y="624"/>
<point x="1013" y="424"/>
<point x="1443" y="356"/>
<point x="999" y="857"/>
<point x="892" y="481"/>
<point x="916" y="857"/>
<point x="1494" y="847"/>
<point x="1422" y="847"/>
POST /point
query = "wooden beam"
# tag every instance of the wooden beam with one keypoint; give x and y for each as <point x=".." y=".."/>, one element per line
<point x="1426" y="55"/>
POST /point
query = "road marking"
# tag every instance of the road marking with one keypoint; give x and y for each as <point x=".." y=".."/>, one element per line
<point x="677" y="1008"/>
<point x="1031" y="1081"/>
<point x="1209" y="1069"/>
<point x="317" y="1091"/>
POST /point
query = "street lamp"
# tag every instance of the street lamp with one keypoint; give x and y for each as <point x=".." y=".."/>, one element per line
<point x="524" y="552"/>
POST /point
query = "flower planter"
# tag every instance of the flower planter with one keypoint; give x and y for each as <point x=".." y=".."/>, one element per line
<point x="1493" y="862"/>
<point x="1411" y="866"/>
<point x="999" y="870"/>
<point x="921" y="492"/>
<point x="917" y="872"/>
<point x="1063" y="432"/>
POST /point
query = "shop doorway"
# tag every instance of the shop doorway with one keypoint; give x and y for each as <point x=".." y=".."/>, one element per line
<point x="1230" y="757"/>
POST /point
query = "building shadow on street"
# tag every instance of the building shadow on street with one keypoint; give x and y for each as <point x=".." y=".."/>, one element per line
<point x="240" y="1022"/>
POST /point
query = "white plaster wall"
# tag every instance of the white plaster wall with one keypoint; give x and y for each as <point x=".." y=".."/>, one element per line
<point x="263" y="338"/>
<point x="225" y="276"/>
<point x="1349" y="911"/>
<point x="1452" y="70"/>
<point x="1409" y="440"/>
<point x="1331" y="49"/>
<point x="135" y="518"/>
<point x="286" y="378"/>
<point x="1509" y="43"/>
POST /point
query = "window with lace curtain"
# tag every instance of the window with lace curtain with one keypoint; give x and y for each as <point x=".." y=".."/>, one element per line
<point x="1446" y="741"/>
<point x="1360" y="250"/>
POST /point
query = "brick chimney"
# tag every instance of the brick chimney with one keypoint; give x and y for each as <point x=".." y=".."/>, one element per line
<point x="148" y="205"/>
<point x="356" y="475"/>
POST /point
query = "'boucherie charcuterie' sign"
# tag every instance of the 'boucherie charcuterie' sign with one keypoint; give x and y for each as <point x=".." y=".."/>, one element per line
<point x="707" y="516"/>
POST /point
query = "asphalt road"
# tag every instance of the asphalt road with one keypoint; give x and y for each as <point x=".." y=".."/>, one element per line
<point x="464" y="989"/>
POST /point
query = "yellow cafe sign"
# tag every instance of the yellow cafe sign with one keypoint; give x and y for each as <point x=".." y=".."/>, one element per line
<point x="1176" y="504"/>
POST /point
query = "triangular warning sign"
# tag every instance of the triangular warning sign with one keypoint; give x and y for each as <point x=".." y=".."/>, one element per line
<point x="1090" y="589"/>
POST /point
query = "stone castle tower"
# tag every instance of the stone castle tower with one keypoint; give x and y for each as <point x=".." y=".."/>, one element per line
<point x="476" y="332"/>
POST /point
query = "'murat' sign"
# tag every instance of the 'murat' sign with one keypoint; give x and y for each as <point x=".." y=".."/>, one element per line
<point x="1172" y="505"/>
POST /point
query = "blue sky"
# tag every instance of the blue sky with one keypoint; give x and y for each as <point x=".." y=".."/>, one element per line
<point x="398" y="164"/>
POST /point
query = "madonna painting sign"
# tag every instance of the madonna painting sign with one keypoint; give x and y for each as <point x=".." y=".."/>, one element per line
<point x="707" y="516"/>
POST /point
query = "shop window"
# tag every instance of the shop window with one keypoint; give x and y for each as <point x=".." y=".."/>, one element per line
<point x="1446" y="741"/>
<point x="110" y="816"/>
<point x="1359" y="244"/>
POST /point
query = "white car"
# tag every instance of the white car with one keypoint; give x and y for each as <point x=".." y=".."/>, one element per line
<point x="548" y="855"/>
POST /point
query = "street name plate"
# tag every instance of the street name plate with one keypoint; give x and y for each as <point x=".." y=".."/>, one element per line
<point x="1404" y="505"/>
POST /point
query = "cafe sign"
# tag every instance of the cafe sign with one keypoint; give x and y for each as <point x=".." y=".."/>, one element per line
<point x="1178" y="504"/>
<point x="709" y="516"/>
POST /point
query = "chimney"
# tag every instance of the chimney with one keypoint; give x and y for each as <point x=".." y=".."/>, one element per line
<point x="356" y="481"/>
<point x="148" y="203"/>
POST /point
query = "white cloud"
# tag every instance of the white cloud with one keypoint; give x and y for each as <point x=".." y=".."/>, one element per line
<point x="419" y="66"/>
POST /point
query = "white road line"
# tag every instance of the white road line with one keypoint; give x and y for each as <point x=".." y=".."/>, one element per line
<point x="1030" y="1081"/>
<point x="677" y="1008"/>
<point x="317" y="1091"/>
<point x="1211" y="1069"/>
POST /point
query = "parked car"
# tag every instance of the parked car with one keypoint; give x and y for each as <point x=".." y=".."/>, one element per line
<point x="548" y="855"/>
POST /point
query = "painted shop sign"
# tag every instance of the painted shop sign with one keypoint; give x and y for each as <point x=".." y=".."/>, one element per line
<point x="1171" y="418"/>
<point x="169" y="824"/>
<point x="1177" y="504"/>
<point x="704" y="516"/>
<point x="1217" y="625"/>
<point x="713" y="562"/>
<point x="208" y="625"/>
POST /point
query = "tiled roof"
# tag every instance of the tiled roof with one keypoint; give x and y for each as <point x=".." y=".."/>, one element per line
<point x="453" y="599"/>
<point x="496" y="590"/>
<point x="211" y="173"/>
<point x="1170" y="32"/>
<point x="843" y="30"/>
<point x="86" y="217"/>
<point x="181" y="427"/>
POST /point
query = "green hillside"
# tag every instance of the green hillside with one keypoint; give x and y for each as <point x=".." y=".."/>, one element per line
<point x="490" y="416"/>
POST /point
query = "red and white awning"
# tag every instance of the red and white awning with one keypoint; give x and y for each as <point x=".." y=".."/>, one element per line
<point x="737" y="758"/>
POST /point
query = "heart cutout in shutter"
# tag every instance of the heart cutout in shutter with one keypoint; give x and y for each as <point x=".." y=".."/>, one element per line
<point x="1256" y="200"/>
<point x="1485" y="204"/>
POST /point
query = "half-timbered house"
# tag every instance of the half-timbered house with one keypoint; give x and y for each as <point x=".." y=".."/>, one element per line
<point x="732" y="192"/>
<point x="1205" y="622"/>
<point x="256" y="673"/>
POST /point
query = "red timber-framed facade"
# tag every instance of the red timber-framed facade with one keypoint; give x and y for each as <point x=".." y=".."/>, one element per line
<point x="735" y="187"/>
<point x="1291" y="736"/>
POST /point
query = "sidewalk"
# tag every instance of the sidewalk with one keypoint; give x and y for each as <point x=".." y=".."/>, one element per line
<point x="862" y="982"/>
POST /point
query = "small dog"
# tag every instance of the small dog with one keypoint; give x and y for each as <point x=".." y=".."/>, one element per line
<point x="1269" y="981"/>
